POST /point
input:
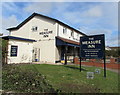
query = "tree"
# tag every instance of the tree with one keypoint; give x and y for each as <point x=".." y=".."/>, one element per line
<point x="114" y="53"/>
<point x="4" y="50"/>
<point x="1" y="34"/>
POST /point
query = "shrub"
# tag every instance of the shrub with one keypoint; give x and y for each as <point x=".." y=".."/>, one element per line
<point x="21" y="80"/>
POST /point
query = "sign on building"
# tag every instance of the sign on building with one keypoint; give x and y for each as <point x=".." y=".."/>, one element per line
<point x="46" y="33"/>
<point x="92" y="47"/>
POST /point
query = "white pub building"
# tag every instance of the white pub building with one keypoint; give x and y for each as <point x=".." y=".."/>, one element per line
<point x="44" y="39"/>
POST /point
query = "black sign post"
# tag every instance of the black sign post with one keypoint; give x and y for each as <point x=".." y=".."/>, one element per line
<point x="93" y="47"/>
<point x="80" y="64"/>
<point x="104" y="58"/>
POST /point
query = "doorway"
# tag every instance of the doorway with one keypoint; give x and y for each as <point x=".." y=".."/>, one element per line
<point x="36" y="54"/>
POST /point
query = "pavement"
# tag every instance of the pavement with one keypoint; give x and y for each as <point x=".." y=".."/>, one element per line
<point x="114" y="70"/>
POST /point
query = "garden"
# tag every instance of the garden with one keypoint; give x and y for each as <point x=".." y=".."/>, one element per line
<point x="46" y="78"/>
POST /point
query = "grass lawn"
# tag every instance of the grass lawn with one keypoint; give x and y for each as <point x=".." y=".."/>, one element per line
<point x="69" y="78"/>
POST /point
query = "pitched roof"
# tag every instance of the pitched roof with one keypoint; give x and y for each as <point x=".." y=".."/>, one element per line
<point x="17" y="38"/>
<point x="36" y="14"/>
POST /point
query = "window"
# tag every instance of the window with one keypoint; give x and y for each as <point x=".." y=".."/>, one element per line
<point x="77" y="36"/>
<point x="64" y="30"/>
<point x="72" y="33"/>
<point x="34" y="28"/>
<point x="14" y="51"/>
<point x="45" y="29"/>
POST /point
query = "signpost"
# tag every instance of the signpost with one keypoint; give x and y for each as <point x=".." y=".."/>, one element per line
<point x="93" y="47"/>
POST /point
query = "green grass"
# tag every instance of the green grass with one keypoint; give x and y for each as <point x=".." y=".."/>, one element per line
<point x="69" y="79"/>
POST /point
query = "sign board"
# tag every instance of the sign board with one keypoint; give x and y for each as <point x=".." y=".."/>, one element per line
<point x="92" y="47"/>
<point x="90" y="75"/>
<point x="97" y="71"/>
<point x="14" y="50"/>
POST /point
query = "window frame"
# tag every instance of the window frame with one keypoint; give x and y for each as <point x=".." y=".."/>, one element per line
<point x="72" y="33"/>
<point x="64" y="30"/>
<point x="77" y="36"/>
<point x="16" y="51"/>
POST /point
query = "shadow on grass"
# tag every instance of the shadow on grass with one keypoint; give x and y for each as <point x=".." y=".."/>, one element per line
<point x="77" y="68"/>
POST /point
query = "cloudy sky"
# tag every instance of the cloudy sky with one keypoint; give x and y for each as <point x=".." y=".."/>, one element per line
<point x="89" y="17"/>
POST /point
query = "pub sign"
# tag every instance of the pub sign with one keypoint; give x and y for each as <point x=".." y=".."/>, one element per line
<point x="92" y="47"/>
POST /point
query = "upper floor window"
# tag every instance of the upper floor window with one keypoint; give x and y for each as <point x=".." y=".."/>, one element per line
<point x="64" y="30"/>
<point x="78" y="36"/>
<point x="72" y="33"/>
<point x="46" y="29"/>
<point x="34" y="28"/>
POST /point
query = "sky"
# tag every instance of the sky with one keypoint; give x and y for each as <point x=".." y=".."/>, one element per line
<point x="91" y="18"/>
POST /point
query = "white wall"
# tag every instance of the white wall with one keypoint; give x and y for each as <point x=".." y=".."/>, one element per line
<point x="68" y="34"/>
<point x="58" y="53"/>
<point x="48" y="50"/>
<point x="24" y="52"/>
<point x="45" y="44"/>
<point x="42" y="23"/>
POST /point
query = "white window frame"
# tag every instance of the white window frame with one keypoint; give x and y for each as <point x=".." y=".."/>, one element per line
<point x="77" y="36"/>
<point x="72" y="33"/>
<point x="64" y="30"/>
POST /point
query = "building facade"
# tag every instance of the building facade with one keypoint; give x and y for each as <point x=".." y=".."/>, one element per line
<point x="53" y="39"/>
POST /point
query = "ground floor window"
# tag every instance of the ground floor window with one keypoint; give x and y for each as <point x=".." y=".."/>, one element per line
<point x="13" y="52"/>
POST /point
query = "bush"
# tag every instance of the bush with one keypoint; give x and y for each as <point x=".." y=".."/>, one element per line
<point x="114" y="53"/>
<point x="21" y="80"/>
<point x="4" y="50"/>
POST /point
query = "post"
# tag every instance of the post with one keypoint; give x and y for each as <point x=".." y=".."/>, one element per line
<point x="80" y="64"/>
<point x="74" y="54"/>
<point x="66" y="47"/>
<point x="80" y="56"/>
<point x="104" y="57"/>
<point x="104" y="64"/>
<point x="104" y="68"/>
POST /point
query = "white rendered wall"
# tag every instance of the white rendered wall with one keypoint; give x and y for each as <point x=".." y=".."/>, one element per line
<point x="24" y="52"/>
<point x="48" y="50"/>
<point x="58" y="53"/>
<point x="45" y="44"/>
<point x="68" y="34"/>
<point x="42" y="23"/>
